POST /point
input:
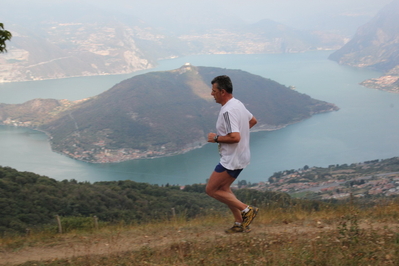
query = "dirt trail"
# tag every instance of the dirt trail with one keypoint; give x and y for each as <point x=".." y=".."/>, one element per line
<point x="74" y="246"/>
<point x="105" y="244"/>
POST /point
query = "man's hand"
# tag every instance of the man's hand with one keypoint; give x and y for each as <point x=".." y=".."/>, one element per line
<point x="252" y="122"/>
<point x="211" y="137"/>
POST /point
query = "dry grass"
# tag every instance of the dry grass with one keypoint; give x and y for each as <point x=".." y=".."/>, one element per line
<point x="343" y="235"/>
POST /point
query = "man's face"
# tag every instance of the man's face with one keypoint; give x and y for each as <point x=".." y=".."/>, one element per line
<point x="216" y="93"/>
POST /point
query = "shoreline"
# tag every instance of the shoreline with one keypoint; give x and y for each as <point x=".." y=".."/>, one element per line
<point x="126" y="154"/>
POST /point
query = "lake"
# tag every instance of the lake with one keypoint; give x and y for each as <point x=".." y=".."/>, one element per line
<point x="365" y="128"/>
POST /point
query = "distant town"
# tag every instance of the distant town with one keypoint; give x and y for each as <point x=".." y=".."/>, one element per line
<point x="371" y="178"/>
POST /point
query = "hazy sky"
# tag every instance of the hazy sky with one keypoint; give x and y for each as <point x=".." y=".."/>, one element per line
<point x="297" y="13"/>
<point x="249" y="10"/>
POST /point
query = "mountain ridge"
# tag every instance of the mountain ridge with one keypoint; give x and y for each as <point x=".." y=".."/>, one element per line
<point x="96" y="42"/>
<point x="375" y="45"/>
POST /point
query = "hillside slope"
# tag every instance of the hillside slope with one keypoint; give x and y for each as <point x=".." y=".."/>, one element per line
<point x="73" y="40"/>
<point x="330" y="236"/>
<point x="376" y="45"/>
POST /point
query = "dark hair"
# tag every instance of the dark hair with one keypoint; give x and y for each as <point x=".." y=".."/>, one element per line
<point x="223" y="83"/>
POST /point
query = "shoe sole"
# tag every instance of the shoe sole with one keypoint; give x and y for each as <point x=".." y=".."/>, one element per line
<point x="247" y="230"/>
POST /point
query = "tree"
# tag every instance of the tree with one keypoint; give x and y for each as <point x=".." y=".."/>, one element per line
<point x="5" y="35"/>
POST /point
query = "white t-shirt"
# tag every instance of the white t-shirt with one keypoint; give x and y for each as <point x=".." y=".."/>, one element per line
<point x="234" y="117"/>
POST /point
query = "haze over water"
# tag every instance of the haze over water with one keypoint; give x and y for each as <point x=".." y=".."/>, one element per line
<point x="365" y="128"/>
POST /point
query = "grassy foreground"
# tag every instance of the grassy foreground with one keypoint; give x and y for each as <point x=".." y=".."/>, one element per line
<point x="338" y="235"/>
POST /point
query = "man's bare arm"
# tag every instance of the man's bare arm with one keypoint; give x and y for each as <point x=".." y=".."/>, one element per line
<point x="233" y="137"/>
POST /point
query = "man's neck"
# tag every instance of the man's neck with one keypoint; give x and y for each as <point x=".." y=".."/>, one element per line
<point x="227" y="98"/>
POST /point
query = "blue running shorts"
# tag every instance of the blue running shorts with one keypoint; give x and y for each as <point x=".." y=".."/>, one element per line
<point x="233" y="173"/>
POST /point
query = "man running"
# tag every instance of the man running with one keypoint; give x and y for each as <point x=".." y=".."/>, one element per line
<point x="233" y="129"/>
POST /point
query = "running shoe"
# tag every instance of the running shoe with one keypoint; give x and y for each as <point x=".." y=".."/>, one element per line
<point x="249" y="216"/>
<point x="235" y="229"/>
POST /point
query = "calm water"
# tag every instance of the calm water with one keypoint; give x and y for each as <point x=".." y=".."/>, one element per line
<point x="365" y="128"/>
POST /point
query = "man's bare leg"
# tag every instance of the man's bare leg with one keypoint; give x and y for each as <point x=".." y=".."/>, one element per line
<point x="218" y="187"/>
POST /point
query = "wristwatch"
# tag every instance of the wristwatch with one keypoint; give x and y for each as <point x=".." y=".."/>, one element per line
<point x="216" y="138"/>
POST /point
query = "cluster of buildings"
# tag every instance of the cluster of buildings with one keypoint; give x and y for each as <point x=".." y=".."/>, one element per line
<point x="337" y="184"/>
<point x="16" y="123"/>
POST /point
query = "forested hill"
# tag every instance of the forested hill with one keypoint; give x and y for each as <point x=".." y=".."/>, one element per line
<point x="158" y="114"/>
<point x="28" y="200"/>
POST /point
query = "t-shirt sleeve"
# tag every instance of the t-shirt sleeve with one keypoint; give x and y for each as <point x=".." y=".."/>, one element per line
<point x="231" y="122"/>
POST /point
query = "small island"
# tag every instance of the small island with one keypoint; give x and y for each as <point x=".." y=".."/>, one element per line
<point x="156" y="114"/>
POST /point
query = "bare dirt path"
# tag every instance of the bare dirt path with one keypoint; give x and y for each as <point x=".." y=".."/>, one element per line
<point x="106" y="243"/>
<point x="116" y="242"/>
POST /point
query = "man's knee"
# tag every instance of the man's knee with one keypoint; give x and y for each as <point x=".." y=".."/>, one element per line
<point x="210" y="191"/>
